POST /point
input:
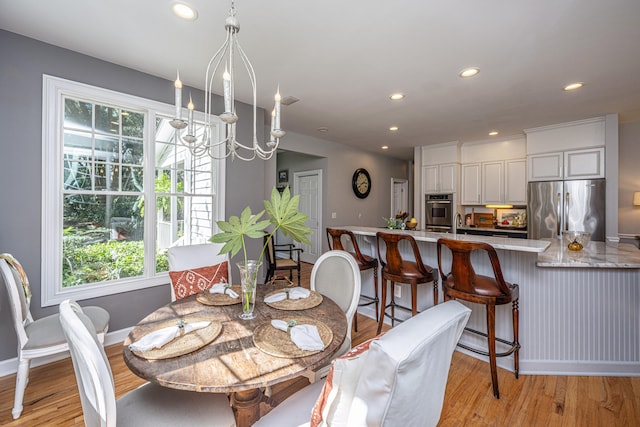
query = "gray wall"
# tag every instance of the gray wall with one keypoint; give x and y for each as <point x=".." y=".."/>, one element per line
<point x="628" y="179"/>
<point x="338" y="162"/>
<point x="22" y="63"/>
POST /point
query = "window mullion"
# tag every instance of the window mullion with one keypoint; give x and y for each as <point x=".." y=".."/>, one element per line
<point x="150" y="223"/>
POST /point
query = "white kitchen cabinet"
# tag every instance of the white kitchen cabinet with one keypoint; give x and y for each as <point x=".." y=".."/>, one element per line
<point x="546" y="167"/>
<point x="584" y="164"/>
<point x="471" y="184"/>
<point x="515" y="182"/>
<point x="574" y="164"/>
<point x="440" y="178"/>
<point x="493" y="183"/>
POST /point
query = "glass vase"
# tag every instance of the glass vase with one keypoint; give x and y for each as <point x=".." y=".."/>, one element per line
<point x="248" y="278"/>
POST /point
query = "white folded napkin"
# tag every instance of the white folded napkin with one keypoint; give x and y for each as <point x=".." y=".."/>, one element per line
<point x="306" y="337"/>
<point x="294" y="293"/>
<point x="223" y="288"/>
<point x="157" y="339"/>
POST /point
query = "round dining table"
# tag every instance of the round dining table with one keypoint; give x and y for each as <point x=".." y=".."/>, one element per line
<point x="232" y="363"/>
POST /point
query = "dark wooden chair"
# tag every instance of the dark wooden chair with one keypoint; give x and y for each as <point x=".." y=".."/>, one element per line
<point x="395" y="269"/>
<point x="464" y="284"/>
<point x="365" y="262"/>
<point x="289" y="260"/>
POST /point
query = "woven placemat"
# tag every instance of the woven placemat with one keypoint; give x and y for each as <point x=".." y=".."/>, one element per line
<point x="184" y="344"/>
<point x="278" y="343"/>
<point x="207" y="298"/>
<point x="313" y="300"/>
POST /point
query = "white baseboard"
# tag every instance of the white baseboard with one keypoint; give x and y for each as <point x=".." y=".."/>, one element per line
<point x="10" y="366"/>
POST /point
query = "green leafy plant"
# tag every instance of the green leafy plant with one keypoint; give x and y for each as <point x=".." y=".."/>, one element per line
<point x="283" y="214"/>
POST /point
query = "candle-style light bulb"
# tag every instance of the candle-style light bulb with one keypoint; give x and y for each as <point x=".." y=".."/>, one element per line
<point x="273" y="123"/>
<point x="178" y="96"/>
<point x="190" y="106"/>
<point x="278" y="98"/>
<point x="226" y="85"/>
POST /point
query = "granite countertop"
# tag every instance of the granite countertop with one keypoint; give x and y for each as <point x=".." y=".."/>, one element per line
<point x="504" y="243"/>
<point x="594" y="255"/>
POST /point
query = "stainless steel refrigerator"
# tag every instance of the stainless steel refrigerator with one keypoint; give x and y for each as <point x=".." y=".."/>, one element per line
<point x="557" y="206"/>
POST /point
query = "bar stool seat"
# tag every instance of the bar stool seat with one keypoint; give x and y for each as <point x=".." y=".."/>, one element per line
<point x="396" y="269"/>
<point x="464" y="284"/>
<point x="365" y="262"/>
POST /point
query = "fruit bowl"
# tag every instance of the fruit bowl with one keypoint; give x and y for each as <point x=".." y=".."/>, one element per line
<point x="575" y="240"/>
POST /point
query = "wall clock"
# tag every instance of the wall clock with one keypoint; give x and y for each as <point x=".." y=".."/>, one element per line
<point x="361" y="183"/>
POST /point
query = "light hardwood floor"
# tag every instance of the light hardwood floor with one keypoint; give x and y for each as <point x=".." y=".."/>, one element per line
<point x="52" y="398"/>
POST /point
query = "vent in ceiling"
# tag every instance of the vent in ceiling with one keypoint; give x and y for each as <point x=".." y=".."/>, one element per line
<point x="288" y="100"/>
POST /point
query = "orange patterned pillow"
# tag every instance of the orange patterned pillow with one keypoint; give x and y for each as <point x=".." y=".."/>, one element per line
<point x="348" y="367"/>
<point x="189" y="282"/>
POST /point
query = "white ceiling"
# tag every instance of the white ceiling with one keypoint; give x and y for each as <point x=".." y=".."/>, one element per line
<point x="343" y="59"/>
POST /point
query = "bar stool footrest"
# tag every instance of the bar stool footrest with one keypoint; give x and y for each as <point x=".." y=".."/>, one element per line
<point x="370" y="300"/>
<point x="395" y="319"/>
<point x="514" y="346"/>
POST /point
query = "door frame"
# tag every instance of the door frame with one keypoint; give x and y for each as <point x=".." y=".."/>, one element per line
<point x="405" y="187"/>
<point x="319" y="204"/>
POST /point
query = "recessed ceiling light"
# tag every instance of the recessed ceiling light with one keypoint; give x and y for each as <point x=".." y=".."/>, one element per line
<point x="385" y="147"/>
<point x="574" y="86"/>
<point x="396" y="96"/>
<point x="184" y="11"/>
<point x="469" y="72"/>
<point x="393" y="128"/>
<point x="493" y="133"/>
<point x="323" y="129"/>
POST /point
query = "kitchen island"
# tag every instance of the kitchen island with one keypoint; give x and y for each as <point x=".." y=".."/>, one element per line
<point x="579" y="312"/>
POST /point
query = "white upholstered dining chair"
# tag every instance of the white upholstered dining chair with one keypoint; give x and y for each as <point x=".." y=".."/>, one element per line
<point x="337" y="275"/>
<point x="399" y="380"/>
<point x="148" y="405"/>
<point x="191" y="257"/>
<point x="36" y="337"/>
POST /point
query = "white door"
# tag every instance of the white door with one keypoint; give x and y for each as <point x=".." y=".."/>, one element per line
<point x="399" y="196"/>
<point x="308" y="185"/>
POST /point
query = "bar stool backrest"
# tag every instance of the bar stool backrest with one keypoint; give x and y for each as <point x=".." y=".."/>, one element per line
<point x="393" y="259"/>
<point x="334" y="238"/>
<point x="464" y="276"/>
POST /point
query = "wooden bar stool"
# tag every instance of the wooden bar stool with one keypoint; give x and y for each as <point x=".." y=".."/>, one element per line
<point x="398" y="270"/>
<point x="365" y="262"/>
<point x="463" y="283"/>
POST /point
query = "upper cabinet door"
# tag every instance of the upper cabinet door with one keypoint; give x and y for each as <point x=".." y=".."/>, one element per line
<point x="546" y="167"/>
<point x="493" y="183"/>
<point x="584" y="164"/>
<point x="430" y="179"/>
<point x="515" y="191"/>
<point x="471" y="181"/>
<point x="448" y="178"/>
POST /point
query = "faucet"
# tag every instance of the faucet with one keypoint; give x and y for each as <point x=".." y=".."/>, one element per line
<point x="457" y="222"/>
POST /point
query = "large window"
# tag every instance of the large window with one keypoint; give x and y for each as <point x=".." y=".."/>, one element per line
<point x="118" y="190"/>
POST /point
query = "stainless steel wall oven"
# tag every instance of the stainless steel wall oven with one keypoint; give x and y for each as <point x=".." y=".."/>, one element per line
<point x="439" y="210"/>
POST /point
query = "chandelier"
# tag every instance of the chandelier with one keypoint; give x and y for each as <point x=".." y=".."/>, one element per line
<point x="205" y="144"/>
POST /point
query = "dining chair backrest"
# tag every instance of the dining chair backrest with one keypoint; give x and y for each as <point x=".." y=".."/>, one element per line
<point x="400" y="380"/>
<point x="404" y="378"/>
<point x="91" y="366"/>
<point x="195" y="256"/>
<point x="336" y="275"/>
<point x="19" y="301"/>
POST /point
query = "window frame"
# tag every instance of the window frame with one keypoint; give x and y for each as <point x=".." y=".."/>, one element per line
<point x="54" y="91"/>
